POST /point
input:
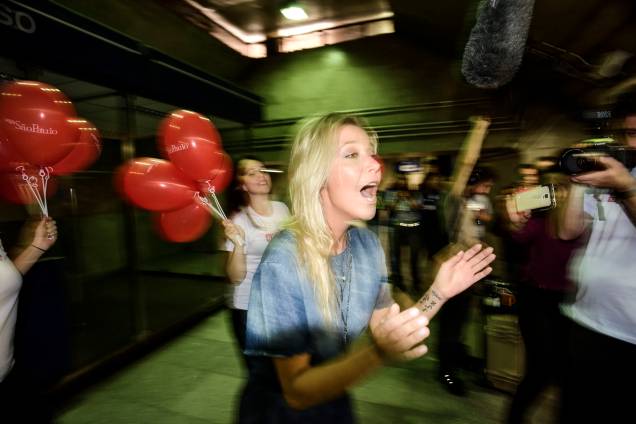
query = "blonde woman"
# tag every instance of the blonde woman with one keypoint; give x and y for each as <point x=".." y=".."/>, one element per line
<point x="322" y="283"/>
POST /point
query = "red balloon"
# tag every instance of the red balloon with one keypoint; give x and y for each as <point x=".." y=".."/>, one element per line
<point x="9" y="158"/>
<point x="85" y="151"/>
<point x="155" y="184"/>
<point x="185" y="123"/>
<point x="26" y="94"/>
<point x="183" y="225"/>
<point x="33" y="116"/>
<point x="221" y="178"/>
<point x="197" y="157"/>
<point x="14" y="189"/>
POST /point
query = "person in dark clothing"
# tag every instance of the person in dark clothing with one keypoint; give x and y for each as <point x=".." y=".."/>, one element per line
<point x="543" y="287"/>
<point x="472" y="212"/>
<point x="431" y="230"/>
<point x="405" y="224"/>
<point x="453" y="317"/>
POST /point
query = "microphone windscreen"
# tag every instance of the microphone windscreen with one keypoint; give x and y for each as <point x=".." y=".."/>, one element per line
<point x="497" y="42"/>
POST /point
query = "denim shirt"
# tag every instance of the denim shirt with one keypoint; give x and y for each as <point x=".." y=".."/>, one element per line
<point x="283" y="318"/>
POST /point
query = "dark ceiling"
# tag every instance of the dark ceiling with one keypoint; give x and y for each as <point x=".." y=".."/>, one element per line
<point x="586" y="38"/>
<point x="573" y="45"/>
<point x="588" y="28"/>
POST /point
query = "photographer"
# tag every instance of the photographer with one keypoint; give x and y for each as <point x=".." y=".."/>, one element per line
<point x="602" y="345"/>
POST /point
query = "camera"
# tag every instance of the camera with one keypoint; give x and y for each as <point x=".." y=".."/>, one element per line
<point x="575" y="160"/>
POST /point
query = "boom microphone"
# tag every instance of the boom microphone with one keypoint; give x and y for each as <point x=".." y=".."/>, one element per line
<point x="497" y="42"/>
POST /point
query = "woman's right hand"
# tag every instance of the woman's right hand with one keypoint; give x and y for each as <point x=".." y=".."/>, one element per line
<point x="462" y="270"/>
<point x="398" y="335"/>
<point x="234" y="232"/>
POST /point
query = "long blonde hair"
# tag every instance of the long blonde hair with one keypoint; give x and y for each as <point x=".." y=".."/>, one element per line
<point x="311" y="158"/>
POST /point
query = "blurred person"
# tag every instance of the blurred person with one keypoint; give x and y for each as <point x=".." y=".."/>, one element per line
<point x="460" y="229"/>
<point x="254" y="220"/>
<point x="515" y="253"/>
<point x="543" y="286"/>
<point x="431" y="230"/>
<point x="478" y="210"/>
<point x="475" y="211"/>
<point x="403" y="206"/>
<point x="602" y="344"/>
<point x="547" y="164"/>
<point x="15" y="398"/>
<point x="528" y="175"/>
<point x="322" y="282"/>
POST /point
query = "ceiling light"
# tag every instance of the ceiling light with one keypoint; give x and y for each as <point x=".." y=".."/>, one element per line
<point x="293" y="12"/>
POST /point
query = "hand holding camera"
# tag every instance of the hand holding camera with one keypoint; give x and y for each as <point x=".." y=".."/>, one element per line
<point x="613" y="175"/>
<point x="581" y="160"/>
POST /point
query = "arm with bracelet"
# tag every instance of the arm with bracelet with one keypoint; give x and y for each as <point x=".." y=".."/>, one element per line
<point x="44" y="237"/>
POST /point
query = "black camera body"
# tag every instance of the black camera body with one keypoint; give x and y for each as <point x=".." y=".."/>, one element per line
<point x="575" y="160"/>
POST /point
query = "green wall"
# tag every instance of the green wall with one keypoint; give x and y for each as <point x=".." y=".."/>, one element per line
<point x="375" y="72"/>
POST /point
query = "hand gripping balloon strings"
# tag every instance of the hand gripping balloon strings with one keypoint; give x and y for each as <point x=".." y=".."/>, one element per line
<point x="216" y="208"/>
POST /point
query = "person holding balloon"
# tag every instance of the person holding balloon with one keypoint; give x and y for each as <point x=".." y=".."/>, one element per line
<point x="322" y="283"/>
<point x="11" y="273"/>
<point x="254" y="219"/>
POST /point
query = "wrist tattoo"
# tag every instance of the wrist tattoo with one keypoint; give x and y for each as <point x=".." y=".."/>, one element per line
<point x="429" y="300"/>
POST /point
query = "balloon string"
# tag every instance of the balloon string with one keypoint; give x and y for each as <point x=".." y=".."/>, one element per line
<point x="32" y="184"/>
<point x="204" y="201"/>
<point x="218" y="205"/>
<point x="45" y="174"/>
<point x="212" y="192"/>
<point x="218" y="210"/>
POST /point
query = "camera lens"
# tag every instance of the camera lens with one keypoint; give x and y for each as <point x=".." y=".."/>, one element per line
<point x="577" y="161"/>
<point x="571" y="162"/>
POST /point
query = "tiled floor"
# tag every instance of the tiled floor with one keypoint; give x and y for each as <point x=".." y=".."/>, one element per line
<point x="195" y="379"/>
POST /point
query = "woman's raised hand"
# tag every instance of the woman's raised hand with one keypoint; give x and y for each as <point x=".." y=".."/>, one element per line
<point x="233" y="232"/>
<point x="398" y="335"/>
<point x="463" y="270"/>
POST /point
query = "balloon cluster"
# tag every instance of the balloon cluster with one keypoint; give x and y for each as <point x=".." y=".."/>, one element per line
<point x="181" y="189"/>
<point x="40" y="137"/>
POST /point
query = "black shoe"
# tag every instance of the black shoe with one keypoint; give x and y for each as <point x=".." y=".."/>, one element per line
<point x="452" y="383"/>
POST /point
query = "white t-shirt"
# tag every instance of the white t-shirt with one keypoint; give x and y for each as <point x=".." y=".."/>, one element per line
<point x="10" y="282"/>
<point x="259" y="230"/>
<point x="605" y="271"/>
